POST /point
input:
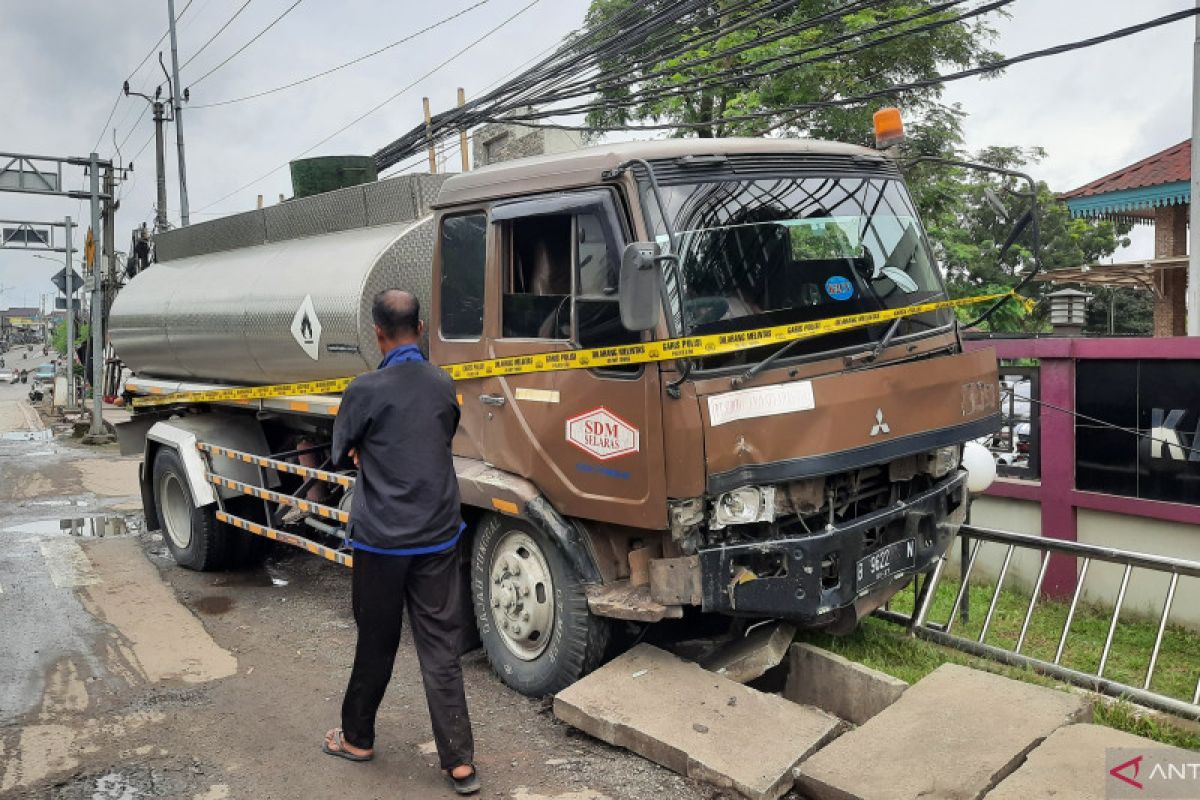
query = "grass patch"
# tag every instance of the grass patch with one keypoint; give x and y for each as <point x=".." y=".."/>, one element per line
<point x="885" y="646"/>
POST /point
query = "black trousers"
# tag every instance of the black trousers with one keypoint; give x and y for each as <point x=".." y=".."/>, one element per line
<point x="431" y="587"/>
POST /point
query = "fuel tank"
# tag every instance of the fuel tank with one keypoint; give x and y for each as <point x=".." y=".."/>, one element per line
<point x="280" y="294"/>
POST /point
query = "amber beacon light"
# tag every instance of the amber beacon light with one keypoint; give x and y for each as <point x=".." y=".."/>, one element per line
<point x="889" y="127"/>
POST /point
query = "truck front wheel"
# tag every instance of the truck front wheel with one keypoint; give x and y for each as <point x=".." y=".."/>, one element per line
<point x="531" y="609"/>
<point x="196" y="539"/>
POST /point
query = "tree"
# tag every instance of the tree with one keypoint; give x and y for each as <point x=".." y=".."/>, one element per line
<point x="784" y="60"/>
<point x="710" y="72"/>
<point x="58" y="340"/>
<point x="961" y="209"/>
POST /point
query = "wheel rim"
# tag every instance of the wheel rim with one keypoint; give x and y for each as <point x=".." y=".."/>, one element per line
<point x="522" y="595"/>
<point x="177" y="511"/>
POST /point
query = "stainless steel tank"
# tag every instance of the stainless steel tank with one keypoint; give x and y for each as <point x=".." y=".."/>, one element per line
<point x="293" y="307"/>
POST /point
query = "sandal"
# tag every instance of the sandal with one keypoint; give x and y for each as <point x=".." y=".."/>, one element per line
<point x="467" y="785"/>
<point x="341" y="751"/>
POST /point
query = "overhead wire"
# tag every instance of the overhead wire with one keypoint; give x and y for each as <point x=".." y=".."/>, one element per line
<point x="343" y="65"/>
<point x="140" y="64"/>
<point x="859" y="99"/>
<point x="382" y="103"/>
<point x="242" y="49"/>
<point x="220" y="30"/>
<point x="754" y="70"/>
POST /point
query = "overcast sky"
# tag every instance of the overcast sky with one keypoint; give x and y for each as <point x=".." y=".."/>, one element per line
<point x="62" y="63"/>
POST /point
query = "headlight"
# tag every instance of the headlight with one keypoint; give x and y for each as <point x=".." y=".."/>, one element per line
<point x="743" y="506"/>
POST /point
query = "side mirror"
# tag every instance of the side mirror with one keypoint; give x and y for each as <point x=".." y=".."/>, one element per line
<point x="637" y="292"/>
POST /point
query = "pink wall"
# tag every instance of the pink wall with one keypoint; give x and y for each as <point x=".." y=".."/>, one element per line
<point x="1055" y="491"/>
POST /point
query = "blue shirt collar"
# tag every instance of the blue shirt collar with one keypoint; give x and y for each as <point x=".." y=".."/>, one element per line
<point x="405" y="352"/>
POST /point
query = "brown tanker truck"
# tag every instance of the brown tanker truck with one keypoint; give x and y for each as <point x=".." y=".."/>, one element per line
<point x="808" y="480"/>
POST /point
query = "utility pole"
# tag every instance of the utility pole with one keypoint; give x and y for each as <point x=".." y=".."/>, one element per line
<point x="160" y="212"/>
<point x="429" y="134"/>
<point x="96" y="433"/>
<point x="462" y="133"/>
<point x="70" y="290"/>
<point x="178" y="96"/>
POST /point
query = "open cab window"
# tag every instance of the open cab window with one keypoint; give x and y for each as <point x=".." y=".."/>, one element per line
<point x="560" y="272"/>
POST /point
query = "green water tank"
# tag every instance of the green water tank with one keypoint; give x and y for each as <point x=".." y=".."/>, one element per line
<point x="326" y="173"/>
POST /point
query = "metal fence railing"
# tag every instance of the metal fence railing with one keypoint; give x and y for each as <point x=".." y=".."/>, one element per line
<point x="983" y="640"/>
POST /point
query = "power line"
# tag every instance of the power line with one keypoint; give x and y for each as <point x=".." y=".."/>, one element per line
<point x="803" y="108"/>
<point x="379" y="105"/>
<point x="132" y="73"/>
<point x="146" y="57"/>
<point x="255" y="38"/>
<point x="342" y="66"/>
<point x="220" y="30"/>
<point x="104" y="127"/>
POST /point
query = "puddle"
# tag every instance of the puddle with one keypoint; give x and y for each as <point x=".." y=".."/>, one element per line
<point x="43" y="435"/>
<point x="214" y="604"/>
<point x="83" y="527"/>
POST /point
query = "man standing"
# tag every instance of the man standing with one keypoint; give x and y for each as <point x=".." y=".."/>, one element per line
<point x="396" y="425"/>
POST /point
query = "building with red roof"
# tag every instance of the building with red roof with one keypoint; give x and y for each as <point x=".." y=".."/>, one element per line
<point x="1155" y="190"/>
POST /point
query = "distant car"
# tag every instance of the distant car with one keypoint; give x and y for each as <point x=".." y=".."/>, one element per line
<point x="44" y="372"/>
<point x="8" y="376"/>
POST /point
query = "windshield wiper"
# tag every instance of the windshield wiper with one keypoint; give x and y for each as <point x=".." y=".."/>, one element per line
<point x="740" y="380"/>
<point x="876" y="351"/>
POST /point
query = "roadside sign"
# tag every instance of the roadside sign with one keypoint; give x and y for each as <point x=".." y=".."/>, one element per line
<point x="60" y="280"/>
<point x="89" y="250"/>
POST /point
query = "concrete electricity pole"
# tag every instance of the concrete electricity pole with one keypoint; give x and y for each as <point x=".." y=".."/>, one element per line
<point x="70" y="292"/>
<point x="1193" y="272"/>
<point x="96" y="430"/>
<point x="178" y="98"/>
<point x="160" y="212"/>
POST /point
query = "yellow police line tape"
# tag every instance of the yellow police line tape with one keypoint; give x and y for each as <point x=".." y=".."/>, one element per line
<point x="596" y="357"/>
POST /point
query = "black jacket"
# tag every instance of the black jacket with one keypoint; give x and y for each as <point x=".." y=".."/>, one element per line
<point x="401" y="420"/>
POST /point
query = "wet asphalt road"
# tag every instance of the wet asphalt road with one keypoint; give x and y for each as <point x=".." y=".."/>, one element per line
<point x="124" y="676"/>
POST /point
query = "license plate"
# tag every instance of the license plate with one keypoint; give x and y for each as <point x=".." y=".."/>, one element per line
<point x="885" y="562"/>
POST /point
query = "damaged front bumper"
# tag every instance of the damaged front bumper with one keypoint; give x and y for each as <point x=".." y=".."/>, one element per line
<point x="830" y="578"/>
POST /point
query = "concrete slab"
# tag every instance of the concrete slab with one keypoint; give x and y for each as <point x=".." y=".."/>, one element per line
<point x="1070" y="764"/>
<point x="745" y="659"/>
<point x="696" y="723"/>
<point x="955" y="734"/>
<point x="844" y="688"/>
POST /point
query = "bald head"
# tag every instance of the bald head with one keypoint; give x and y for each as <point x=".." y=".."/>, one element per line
<point x="397" y="317"/>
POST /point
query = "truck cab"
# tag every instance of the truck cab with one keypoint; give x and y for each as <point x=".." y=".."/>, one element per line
<point x="809" y="484"/>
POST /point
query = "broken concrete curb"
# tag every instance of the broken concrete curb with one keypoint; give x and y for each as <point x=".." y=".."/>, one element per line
<point x="955" y="734"/>
<point x="696" y="723"/>
<point x="844" y="688"/>
<point x="745" y="659"/>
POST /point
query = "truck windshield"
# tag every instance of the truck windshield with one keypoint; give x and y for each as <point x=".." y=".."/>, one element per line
<point x="764" y="252"/>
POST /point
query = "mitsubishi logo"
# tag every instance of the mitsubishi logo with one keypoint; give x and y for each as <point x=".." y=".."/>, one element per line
<point x="880" y="426"/>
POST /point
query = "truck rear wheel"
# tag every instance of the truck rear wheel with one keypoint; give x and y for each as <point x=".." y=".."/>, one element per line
<point x="531" y="609"/>
<point x="196" y="539"/>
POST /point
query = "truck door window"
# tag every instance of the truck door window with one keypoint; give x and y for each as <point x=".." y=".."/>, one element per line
<point x="597" y="314"/>
<point x="464" y="255"/>
<point x="537" y="290"/>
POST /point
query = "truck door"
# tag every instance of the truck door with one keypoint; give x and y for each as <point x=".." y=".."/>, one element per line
<point x="456" y="330"/>
<point x="590" y="439"/>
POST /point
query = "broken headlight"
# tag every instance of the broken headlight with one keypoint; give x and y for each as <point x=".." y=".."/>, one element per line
<point x="943" y="460"/>
<point x="743" y="506"/>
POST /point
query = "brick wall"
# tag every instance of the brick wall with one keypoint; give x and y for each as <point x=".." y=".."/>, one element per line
<point x="1170" y="239"/>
